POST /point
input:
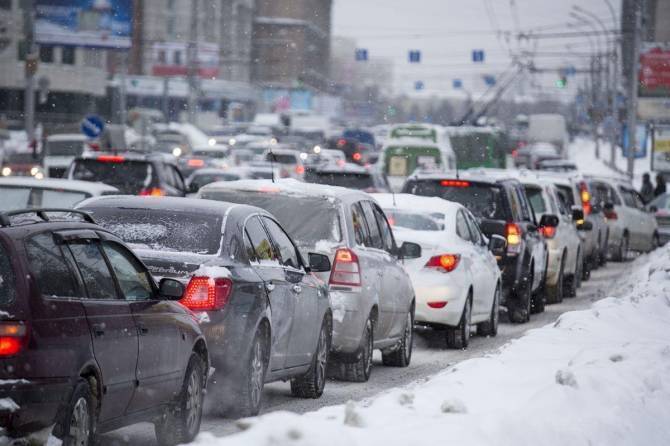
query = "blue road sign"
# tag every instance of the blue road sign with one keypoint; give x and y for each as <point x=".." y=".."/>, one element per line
<point x="419" y="85"/>
<point x="489" y="80"/>
<point x="361" y="55"/>
<point x="414" y="56"/>
<point x="457" y="84"/>
<point x="478" y="55"/>
<point x="92" y="126"/>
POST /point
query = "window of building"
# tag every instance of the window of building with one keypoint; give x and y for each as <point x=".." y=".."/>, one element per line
<point x="46" y="54"/>
<point x="6" y="4"/>
<point x="67" y="56"/>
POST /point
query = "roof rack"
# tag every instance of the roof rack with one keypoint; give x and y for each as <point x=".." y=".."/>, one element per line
<point x="41" y="213"/>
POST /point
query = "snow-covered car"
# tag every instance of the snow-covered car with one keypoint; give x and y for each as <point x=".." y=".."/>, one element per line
<point x="564" y="246"/>
<point x="631" y="226"/>
<point x="371" y="293"/>
<point x="203" y="177"/>
<point x="25" y="192"/>
<point x="456" y="280"/>
<point x="290" y="161"/>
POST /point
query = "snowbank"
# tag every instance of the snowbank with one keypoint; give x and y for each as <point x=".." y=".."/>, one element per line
<point x="583" y="152"/>
<point x="596" y="377"/>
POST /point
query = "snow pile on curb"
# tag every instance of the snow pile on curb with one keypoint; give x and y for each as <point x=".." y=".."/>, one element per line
<point x="594" y="377"/>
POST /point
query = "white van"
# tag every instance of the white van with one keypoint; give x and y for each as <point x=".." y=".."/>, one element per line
<point x="60" y="150"/>
<point x="551" y="128"/>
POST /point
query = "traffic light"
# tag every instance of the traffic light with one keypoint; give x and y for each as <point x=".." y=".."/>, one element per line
<point x="562" y="82"/>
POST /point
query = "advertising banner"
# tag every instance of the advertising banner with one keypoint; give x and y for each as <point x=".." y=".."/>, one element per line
<point x="170" y="59"/>
<point x="655" y="70"/>
<point x="86" y="23"/>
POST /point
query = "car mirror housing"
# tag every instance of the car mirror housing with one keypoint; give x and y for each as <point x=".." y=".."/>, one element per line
<point x="410" y="250"/>
<point x="497" y="245"/>
<point x="549" y="220"/>
<point x="318" y="263"/>
<point x="170" y="289"/>
<point x="653" y="209"/>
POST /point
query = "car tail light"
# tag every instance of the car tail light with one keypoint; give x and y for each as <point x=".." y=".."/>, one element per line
<point x="346" y="269"/>
<point x="195" y="163"/>
<point x="513" y="237"/>
<point x="438" y="304"/>
<point x="515" y="153"/>
<point x="341" y="142"/>
<point x="585" y="196"/>
<point x="356" y="156"/>
<point x="548" y="231"/>
<point x="152" y="192"/>
<point x="13" y="337"/>
<point x="454" y="183"/>
<point x="610" y="214"/>
<point x="207" y="293"/>
<point x="447" y="262"/>
<point x="299" y="170"/>
<point x="111" y="158"/>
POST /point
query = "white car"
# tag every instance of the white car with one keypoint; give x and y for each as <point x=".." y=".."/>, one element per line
<point x="456" y="279"/>
<point x="29" y="193"/>
<point x="60" y="150"/>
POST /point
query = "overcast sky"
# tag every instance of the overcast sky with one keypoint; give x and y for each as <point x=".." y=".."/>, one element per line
<point x="446" y="32"/>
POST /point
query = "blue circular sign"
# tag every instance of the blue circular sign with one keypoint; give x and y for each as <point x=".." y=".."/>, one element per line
<point x="92" y="126"/>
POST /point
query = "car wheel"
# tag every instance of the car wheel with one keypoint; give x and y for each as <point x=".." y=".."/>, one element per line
<point x="250" y="391"/>
<point x="490" y="327"/>
<point x="182" y="421"/>
<point x="587" y="265"/>
<point x="77" y="428"/>
<point x="359" y="370"/>
<point x="655" y="242"/>
<point x="622" y="251"/>
<point x="459" y="337"/>
<point x="312" y="383"/>
<point x="402" y="355"/>
<point x="555" y="292"/>
<point x="579" y="268"/>
<point x="603" y="251"/>
<point x="519" y="306"/>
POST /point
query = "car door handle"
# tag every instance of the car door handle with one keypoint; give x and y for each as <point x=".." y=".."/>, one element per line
<point x="270" y="286"/>
<point x="297" y="289"/>
<point x="98" y="329"/>
<point x="142" y="329"/>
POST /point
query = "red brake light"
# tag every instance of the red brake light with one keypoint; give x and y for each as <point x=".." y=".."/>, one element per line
<point x="341" y="142"/>
<point x="438" y="304"/>
<point x="356" y="156"/>
<point x="585" y="196"/>
<point x="513" y="236"/>
<point x="299" y="170"/>
<point x="346" y="269"/>
<point x="611" y="215"/>
<point x="207" y="294"/>
<point x="454" y="183"/>
<point x="196" y="163"/>
<point x="111" y="158"/>
<point x="152" y="192"/>
<point x="548" y="231"/>
<point x="13" y="337"/>
<point x="515" y="153"/>
<point x="447" y="262"/>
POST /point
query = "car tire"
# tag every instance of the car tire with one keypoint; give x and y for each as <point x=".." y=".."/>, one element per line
<point x="588" y="264"/>
<point x="78" y="425"/>
<point x="555" y="292"/>
<point x="250" y="390"/>
<point x="603" y="251"/>
<point x="621" y="253"/>
<point x="459" y="337"/>
<point x="490" y="327"/>
<point x="181" y="423"/>
<point x="312" y="383"/>
<point x="655" y="242"/>
<point x="361" y="369"/>
<point x="402" y="355"/>
<point x="579" y="270"/>
<point x="519" y="306"/>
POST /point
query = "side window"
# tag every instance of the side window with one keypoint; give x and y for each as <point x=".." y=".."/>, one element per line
<point x="387" y="235"/>
<point x="526" y="211"/>
<point x="639" y="202"/>
<point x="361" y="232"/>
<point x="287" y="252"/>
<point x="475" y="233"/>
<point x="133" y="279"/>
<point x="49" y="267"/>
<point x="375" y="235"/>
<point x="94" y="270"/>
<point x="260" y="242"/>
<point x="514" y="204"/>
<point x="462" y="227"/>
<point x="562" y="201"/>
<point x="628" y="198"/>
<point x="613" y="196"/>
<point x="178" y="181"/>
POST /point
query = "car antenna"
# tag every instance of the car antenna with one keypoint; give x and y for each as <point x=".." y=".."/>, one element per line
<point x="272" y="166"/>
<point x="393" y="195"/>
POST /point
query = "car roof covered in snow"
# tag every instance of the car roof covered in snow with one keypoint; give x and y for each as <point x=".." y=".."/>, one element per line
<point x="60" y="183"/>
<point x="416" y="203"/>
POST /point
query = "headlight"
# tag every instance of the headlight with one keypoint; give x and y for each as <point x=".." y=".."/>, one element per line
<point x="39" y="176"/>
<point x="317" y="149"/>
<point x="6" y="171"/>
<point x="232" y="141"/>
<point x="176" y="151"/>
<point x="303" y="156"/>
<point x="34" y="171"/>
<point x="212" y="141"/>
<point x="273" y="141"/>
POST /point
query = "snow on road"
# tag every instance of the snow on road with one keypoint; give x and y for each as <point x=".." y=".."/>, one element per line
<point x="596" y="376"/>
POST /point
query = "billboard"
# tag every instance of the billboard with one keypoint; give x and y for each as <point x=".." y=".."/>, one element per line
<point x="654" y="70"/>
<point x="87" y="23"/>
<point x="169" y="59"/>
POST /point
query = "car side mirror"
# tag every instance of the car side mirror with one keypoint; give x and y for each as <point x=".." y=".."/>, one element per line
<point x="577" y="214"/>
<point x="193" y="188"/>
<point x="170" y="289"/>
<point x="585" y="226"/>
<point x="653" y="209"/>
<point x="549" y="220"/>
<point x="497" y="245"/>
<point x="319" y="263"/>
<point x="609" y="207"/>
<point x="410" y="250"/>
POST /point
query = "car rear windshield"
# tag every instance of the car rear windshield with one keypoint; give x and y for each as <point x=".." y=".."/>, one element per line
<point x="130" y="177"/>
<point x="163" y="230"/>
<point x="21" y="158"/>
<point x="281" y="158"/>
<point x="482" y="199"/>
<point x="414" y="220"/>
<point x="7" y="280"/>
<point x="359" y="181"/>
<point x="209" y="154"/>
<point x="307" y="219"/>
<point x="64" y="148"/>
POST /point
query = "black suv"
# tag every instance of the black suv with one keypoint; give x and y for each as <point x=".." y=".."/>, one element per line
<point x="501" y="206"/>
<point x="88" y="342"/>
<point x="133" y="173"/>
<point x="265" y="316"/>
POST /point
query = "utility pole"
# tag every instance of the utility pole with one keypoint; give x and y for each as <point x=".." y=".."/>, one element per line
<point x="633" y="79"/>
<point x="615" y="109"/>
<point x="30" y="68"/>
<point x="123" y="97"/>
<point x="192" y="60"/>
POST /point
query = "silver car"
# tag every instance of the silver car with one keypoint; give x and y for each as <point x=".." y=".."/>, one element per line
<point x="371" y="294"/>
<point x="660" y="207"/>
<point x="564" y="266"/>
<point x="631" y="226"/>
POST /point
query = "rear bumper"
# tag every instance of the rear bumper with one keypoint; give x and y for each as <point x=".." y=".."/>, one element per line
<point x="349" y="317"/>
<point x="434" y="286"/>
<point x="36" y="403"/>
<point x="554" y="266"/>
